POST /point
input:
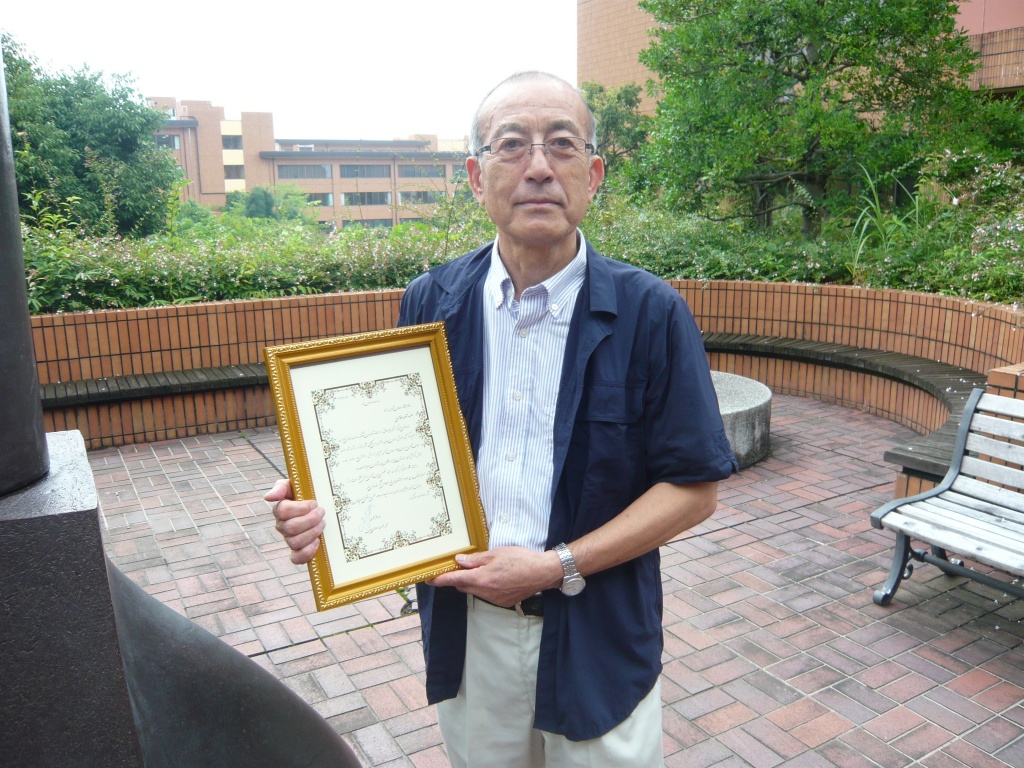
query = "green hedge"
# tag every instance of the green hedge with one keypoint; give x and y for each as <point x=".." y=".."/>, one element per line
<point x="968" y="242"/>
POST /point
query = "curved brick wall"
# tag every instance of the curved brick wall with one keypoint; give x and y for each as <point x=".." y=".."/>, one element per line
<point x="94" y="345"/>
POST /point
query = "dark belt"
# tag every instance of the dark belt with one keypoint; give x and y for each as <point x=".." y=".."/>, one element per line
<point x="531" y="606"/>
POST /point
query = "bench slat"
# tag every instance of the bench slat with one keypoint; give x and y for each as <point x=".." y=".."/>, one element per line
<point x="1014" y="430"/>
<point x="990" y="493"/>
<point x="999" y="510"/>
<point x="989" y="554"/>
<point x="995" y="473"/>
<point x="986" y="446"/>
<point x="972" y="524"/>
<point x="1006" y="406"/>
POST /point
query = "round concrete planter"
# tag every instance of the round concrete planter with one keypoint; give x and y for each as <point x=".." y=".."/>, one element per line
<point x="746" y="407"/>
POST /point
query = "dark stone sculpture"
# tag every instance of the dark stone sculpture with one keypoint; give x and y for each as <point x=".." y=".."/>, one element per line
<point x="65" y="702"/>
<point x="198" y="702"/>
<point x="23" y="454"/>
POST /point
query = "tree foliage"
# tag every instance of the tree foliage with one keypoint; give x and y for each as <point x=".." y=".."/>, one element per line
<point x="82" y="137"/>
<point x="622" y="130"/>
<point x="284" y="202"/>
<point x="772" y="103"/>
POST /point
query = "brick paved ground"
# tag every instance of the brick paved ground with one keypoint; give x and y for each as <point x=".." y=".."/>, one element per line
<point x="774" y="653"/>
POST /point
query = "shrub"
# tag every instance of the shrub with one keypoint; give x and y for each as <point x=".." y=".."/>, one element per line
<point x="205" y="258"/>
<point x="967" y="241"/>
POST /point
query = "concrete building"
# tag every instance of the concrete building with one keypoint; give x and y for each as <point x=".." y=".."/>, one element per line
<point x="611" y="34"/>
<point x="374" y="183"/>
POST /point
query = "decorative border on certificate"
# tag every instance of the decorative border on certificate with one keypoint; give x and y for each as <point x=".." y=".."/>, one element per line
<point x="371" y="429"/>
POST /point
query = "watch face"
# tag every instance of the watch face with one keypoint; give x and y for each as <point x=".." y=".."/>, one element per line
<point x="573" y="586"/>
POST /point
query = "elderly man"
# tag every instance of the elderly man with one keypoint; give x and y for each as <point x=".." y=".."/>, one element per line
<point x="597" y="439"/>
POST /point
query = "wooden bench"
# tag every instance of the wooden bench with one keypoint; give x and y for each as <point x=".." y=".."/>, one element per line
<point x="976" y="511"/>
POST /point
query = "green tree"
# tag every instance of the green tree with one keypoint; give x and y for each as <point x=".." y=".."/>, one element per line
<point x="622" y="129"/>
<point x="772" y="103"/>
<point x="80" y="135"/>
<point x="259" y="204"/>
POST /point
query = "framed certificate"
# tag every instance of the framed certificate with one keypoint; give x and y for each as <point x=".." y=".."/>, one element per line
<point x="371" y="429"/>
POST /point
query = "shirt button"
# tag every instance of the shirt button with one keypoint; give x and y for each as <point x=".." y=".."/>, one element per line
<point x="504" y="518"/>
<point x="523" y="333"/>
<point x="554" y="308"/>
<point x="517" y="395"/>
<point x="510" y="457"/>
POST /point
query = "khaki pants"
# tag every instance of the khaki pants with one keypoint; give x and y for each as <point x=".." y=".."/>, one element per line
<point x="490" y="723"/>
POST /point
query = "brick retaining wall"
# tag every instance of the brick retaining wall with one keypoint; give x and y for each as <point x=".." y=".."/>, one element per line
<point x="94" y="345"/>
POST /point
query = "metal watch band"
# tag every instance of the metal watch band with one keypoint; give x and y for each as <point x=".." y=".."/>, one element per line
<point x="568" y="564"/>
<point x="572" y="582"/>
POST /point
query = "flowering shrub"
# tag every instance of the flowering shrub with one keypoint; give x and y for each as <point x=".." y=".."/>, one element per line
<point x="968" y="242"/>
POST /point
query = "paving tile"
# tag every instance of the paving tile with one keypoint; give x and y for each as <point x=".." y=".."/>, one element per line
<point x="821" y="729"/>
<point x="775" y="738"/>
<point x="999" y="697"/>
<point x="704" y="754"/>
<point x="873" y="748"/>
<point x="683" y="731"/>
<point x="701" y="704"/>
<point x="796" y="714"/>
<point x="749" y="749"/>
<point x="838" y="702"/>
<point x="894" y="723"/>
<point x="971" y="756"/>
<point x="907" y="687"/>
<point x="994" y="735"/>
<point x="923" y="740"/>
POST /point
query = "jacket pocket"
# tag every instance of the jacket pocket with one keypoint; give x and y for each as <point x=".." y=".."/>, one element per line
<point x="613" y="403"/>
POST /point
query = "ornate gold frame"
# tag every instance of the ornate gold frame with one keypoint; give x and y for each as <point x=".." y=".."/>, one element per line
<point x="349" y="363"/>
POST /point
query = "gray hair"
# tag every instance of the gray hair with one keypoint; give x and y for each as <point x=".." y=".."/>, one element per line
<point x="476" y="140"/>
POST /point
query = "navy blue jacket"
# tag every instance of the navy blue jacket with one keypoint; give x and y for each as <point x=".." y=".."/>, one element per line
<point x="635" y="407"/>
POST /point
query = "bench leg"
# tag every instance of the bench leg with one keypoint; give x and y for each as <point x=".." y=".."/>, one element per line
<point x="901" y="569"/>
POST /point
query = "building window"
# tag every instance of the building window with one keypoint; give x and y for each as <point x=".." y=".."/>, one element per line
<point x="234" y="171"/>
<point x="324" y="199"/>
<point x="366" y="198"/>
<point x="421" y="171"/>
<point x="366" y="171"/>
<point x="231" y="142"/>
<point x="303" y="147"/>
<point x="169" y="140"/>
<point x="367" y="223"/>
<point x="303" y="171"/>
<point x="418" y="197"/>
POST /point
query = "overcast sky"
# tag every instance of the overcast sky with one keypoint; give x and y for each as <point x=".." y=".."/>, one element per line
<point x="348" y="69"/>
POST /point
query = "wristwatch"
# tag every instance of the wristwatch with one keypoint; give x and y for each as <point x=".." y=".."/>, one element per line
<point x="572" y="582"/>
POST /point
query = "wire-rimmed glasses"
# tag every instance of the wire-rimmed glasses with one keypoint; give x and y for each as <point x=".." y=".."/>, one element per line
<point x="512" y="149"/>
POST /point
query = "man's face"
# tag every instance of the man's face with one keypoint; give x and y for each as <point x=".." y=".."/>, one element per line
<point x="538" y="201"/>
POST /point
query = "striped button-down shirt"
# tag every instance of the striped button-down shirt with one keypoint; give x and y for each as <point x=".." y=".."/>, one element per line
<point x="525" y="346"/>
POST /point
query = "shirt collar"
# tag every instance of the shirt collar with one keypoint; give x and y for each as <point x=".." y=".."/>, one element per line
<point x="499" y="290"/>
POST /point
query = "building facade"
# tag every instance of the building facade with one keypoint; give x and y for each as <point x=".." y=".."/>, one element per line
<point x="611" y="34"/>
<point x="373" y="183"/>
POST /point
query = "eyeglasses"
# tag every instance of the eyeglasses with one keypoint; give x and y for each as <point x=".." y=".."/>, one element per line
<point x="512" y="149"/>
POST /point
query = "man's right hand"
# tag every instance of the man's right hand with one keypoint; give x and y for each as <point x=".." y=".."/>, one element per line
<point x="299" y="522"/>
